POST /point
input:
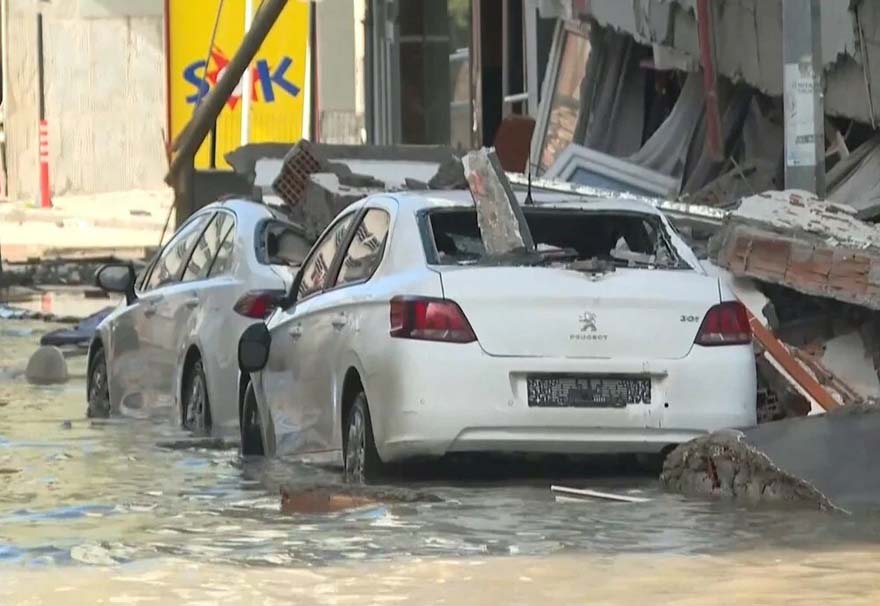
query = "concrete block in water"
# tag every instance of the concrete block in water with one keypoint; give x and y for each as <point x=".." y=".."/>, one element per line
<point x="46" y="366"/>
<point x="827" y="461"/>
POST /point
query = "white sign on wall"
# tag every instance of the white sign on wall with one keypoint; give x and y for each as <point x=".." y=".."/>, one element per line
<point x="800" y="129"/>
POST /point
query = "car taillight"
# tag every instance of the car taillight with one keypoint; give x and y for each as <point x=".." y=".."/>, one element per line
<point x="725" y="324"/>
<point x="429" y="320"/>
<point x="258" y="304"/>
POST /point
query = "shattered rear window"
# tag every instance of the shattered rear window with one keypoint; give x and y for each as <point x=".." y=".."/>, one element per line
<point x="615" y="236"/>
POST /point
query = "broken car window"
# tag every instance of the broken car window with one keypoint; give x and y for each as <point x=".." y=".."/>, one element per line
<point x="285" y="245"/>
<point x="626" y="238"/>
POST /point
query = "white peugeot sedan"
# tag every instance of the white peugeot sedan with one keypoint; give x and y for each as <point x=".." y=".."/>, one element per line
<point x="173" y="341"/>
<point x="402" y="339"/>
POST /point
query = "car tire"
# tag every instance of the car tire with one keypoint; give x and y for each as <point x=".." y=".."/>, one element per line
<point x="196" y="405"/>
<point x="362" y="462"/>
<point x="98" y="394"/>
<point x="251" y="425"/>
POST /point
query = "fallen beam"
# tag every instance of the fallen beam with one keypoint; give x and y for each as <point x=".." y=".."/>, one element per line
<point x="802" y="380"/>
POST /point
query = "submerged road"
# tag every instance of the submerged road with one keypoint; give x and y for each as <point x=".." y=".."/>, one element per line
<point x="133" y="517"/>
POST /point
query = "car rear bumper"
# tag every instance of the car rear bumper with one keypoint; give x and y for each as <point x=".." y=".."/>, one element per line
<point x="427" y="399"/>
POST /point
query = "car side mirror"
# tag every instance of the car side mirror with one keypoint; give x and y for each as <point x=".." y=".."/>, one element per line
<point x="253" y="348"/>
<point x="119" y="278"/>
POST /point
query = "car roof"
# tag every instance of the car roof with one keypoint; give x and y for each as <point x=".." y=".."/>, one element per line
<point x="246" y="206"/>
<point x="415" y="201"/>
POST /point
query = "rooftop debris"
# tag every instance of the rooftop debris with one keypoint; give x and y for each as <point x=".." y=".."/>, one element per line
<point x="503" y="226"/>
<point x="377" y="167"/>
<point x="793" y="239"/>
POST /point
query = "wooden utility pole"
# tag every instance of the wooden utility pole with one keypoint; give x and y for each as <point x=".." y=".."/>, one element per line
<point x="181" y="172"/>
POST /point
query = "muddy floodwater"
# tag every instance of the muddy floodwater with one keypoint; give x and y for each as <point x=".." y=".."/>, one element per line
<point x="130" y="511"/>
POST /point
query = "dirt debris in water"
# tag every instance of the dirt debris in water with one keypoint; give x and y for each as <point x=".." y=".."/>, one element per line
<point x="331" y="499"/>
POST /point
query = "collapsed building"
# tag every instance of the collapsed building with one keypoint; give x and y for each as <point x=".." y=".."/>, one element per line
<point x="686" y="100"/>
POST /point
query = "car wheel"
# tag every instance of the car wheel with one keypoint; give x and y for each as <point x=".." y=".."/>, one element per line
<point x="196" y="406"/>
<point x="362" y="462"/>
<point x="251" y="427"/>
<point x="99" y="387"/>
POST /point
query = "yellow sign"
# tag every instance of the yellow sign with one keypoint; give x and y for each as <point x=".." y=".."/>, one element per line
<point x="278" y="73"/>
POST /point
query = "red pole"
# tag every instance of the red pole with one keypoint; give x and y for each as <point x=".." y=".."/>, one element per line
<point x="713" y="116"/>
<point x="45" y="191"/>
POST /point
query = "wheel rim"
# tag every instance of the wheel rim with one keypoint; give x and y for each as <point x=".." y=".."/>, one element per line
<point x="99" y="393"/>
<point x="356" y="447"/>
<point x="196" y="403"/>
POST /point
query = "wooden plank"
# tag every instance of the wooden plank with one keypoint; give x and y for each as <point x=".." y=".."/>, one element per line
<point x="780" y="353"/>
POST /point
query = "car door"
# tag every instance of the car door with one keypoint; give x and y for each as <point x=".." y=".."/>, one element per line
<point x="301" y="421"/>
<point x="169" y="306"/>
<point x="339" y="310"/>
<point x="213" y="327"/>
<point x="135" y="360"/>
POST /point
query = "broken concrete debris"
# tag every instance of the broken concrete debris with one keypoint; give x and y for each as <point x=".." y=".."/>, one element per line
<point x="315" y="181"/>
<point x="503" y="226"/>
<point x="814" y="247"/>
<point x="826" y="461"/>
<point x="725" y="464"/>
<point x="820" y="267"/>
<point x="46" y="366"/>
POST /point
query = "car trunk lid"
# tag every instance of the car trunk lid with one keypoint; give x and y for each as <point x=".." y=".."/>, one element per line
<point x="558" y="312"/>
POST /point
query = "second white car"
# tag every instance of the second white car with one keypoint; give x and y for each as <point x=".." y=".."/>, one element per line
<point x="172" y="343"/>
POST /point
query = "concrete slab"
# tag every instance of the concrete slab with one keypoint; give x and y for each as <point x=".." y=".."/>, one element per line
<point x="827" y="461"/>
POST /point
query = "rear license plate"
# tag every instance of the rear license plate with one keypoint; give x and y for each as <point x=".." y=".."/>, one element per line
<point x="587" y="391"/>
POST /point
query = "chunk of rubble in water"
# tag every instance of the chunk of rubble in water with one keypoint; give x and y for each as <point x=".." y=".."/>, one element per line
<point x="724" y="464"/>
<point x="333" y="499"/>
<point x="46" y="366"/>
<point x="825" y="461"/>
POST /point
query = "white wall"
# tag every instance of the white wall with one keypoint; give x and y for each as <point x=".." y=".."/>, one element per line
<point x="105" y="95"/>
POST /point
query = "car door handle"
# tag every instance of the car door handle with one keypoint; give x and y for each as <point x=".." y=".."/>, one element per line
<point x="192" y="303"/>
<point x="150" y="310"/>
<point x="295" y="332"/>
<point x="339" y="322"/>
